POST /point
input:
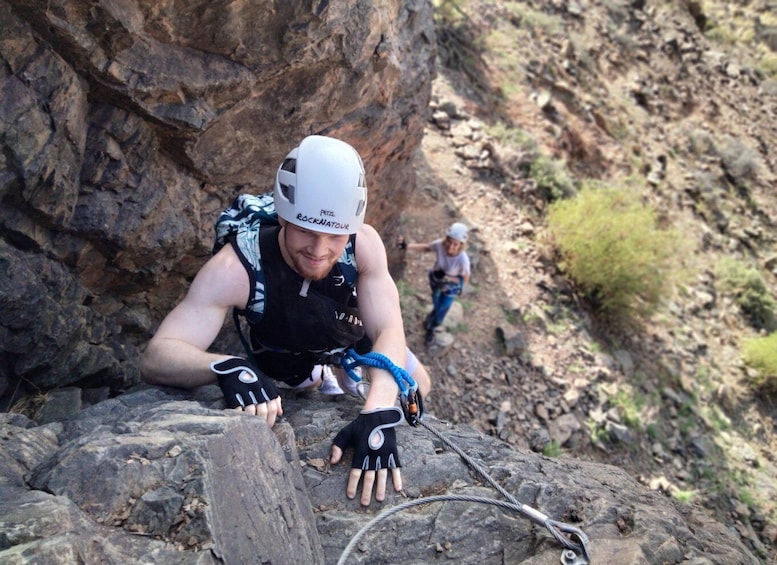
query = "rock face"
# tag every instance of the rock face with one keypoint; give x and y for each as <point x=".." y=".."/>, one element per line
<point x="127" y="126"/>
<point x="165" y="476"/>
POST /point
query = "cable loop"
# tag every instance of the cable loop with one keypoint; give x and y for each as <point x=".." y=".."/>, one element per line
<point x="554" y="527"/>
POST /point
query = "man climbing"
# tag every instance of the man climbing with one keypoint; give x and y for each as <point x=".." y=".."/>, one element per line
<point x="295" y="280"/>
<point x="447" y="276"/>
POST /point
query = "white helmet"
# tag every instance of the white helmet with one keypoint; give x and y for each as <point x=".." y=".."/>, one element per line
<point x="458" y="231"/>
<point x="321" y="186"/>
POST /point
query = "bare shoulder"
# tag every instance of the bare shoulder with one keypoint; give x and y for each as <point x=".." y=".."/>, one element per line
<point x="369" y="233"/>
<point x="222" y="281"/>
<point x="370" y="252"/>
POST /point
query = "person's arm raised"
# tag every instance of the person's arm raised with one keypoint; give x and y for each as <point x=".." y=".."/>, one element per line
<point x="405" y="246"/>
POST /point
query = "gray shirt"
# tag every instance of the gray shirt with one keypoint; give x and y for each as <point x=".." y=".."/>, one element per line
<point x="455" y="266"/>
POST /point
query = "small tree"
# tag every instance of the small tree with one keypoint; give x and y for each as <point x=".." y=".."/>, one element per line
<point x="610" y="245"/>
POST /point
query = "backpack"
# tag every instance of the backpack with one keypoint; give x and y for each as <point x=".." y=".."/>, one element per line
<point x="246" y="210"/>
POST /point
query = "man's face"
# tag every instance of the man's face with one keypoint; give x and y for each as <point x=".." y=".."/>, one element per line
<point x="310" y="253"/>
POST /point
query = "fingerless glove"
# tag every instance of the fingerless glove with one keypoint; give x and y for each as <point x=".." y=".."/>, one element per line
<point x="243" y="384"/>
<point x="373" y="438"/>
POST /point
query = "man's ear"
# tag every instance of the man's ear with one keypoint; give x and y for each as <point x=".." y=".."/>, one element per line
<point x="282" y="222"/>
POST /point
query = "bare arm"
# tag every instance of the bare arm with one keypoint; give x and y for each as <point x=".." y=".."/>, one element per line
<point x="379" y="308"/>
<point x="405" y="246"/>
<point x="419" y="247"/>
<point x="177" y="354"/>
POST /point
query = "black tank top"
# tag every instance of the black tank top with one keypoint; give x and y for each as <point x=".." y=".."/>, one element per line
<point x="301" y="318"/>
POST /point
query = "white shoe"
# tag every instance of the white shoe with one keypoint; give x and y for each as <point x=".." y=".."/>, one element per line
<point x="329" y="384"/>
<point x="313" y="381"/>
<point x="358" y="389"/>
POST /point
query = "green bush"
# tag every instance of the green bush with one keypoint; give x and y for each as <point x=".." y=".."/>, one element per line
<point x="760" y="353"/>
<point x="553" y="180"/>
<point x="749" y="289"/>
<point x="741" y="162"/>
<point x="610" y="245"/>
<point x="768" y="65"/>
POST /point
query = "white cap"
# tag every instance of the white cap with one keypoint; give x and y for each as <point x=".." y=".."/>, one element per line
<point x="458" y="231"/>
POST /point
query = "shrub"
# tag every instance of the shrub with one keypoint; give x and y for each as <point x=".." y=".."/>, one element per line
<point x="553" y="180"/>
<point x="701" y="142"/>
<point x="610" y="245"/>
<point x="768" y="64"/>
<point x="749" y="289"/>
<point x="760" y="353"/>
<point x="741" y="162"/>
<point x="553" y="449"/>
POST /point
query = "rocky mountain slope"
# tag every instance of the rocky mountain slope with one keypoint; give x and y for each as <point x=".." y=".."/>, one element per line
<point x="646" y="94"/>
<point x="115" y="116"/>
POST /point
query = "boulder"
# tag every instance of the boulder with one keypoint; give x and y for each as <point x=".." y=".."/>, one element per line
<point x="163" y="475"/>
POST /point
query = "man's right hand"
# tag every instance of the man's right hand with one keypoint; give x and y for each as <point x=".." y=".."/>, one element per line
<point x="246" y="388"/>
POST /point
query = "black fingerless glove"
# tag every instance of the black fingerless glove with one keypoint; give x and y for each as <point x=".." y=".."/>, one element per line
<point x="243" y="384"/>
<point x="373" y="438"/>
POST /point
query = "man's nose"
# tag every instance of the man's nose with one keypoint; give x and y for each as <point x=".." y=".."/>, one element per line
<point x="318" y="246"/>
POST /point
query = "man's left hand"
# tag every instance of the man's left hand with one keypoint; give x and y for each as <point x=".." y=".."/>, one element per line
<point x="374" y="440"/>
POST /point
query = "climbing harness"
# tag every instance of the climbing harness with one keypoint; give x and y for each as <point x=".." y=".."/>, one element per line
<point x="439" y="282"/>
<point x="576" y="550"/>
<point x="409" y="397"/>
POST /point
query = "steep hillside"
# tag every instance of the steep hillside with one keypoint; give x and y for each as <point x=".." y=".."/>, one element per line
<point x="658" y="97"/>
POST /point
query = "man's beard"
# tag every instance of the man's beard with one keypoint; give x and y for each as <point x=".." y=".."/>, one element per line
<point x="298" y="261"/>
<point x="307" y="273"/>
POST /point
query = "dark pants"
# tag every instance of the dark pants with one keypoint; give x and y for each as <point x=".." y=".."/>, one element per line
<point x="441" y="303"/>
<point x="443" y="293"/>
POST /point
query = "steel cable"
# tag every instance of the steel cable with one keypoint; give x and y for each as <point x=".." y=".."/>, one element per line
<point x="554" y="527"/>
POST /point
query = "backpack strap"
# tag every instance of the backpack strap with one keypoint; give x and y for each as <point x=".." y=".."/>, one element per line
<point x="246" y="346"/>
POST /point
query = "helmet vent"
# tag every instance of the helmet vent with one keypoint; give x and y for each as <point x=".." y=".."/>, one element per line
<point x="288" y="192"/>
<point x="289" y="165"/>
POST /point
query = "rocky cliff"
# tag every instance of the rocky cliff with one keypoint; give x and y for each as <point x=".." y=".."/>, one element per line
<point x="127" y="126"/>
<point x="657" y="97"/>
<point x="161" y="476"/>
